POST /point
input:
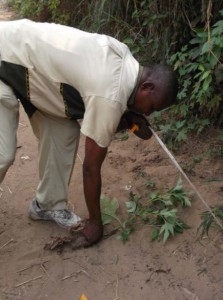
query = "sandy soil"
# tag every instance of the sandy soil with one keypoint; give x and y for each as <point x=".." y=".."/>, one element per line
<point x="181" y="269"/>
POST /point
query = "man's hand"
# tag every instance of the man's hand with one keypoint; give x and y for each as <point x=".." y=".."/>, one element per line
<point x="86" y="233"/>
<point x="82" y="235"/>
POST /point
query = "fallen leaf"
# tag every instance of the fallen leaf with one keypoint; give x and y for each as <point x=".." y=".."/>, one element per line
<point x="108" y="209"/>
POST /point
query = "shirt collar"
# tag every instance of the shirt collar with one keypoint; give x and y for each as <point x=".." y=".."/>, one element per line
<point x="133" y="94"/>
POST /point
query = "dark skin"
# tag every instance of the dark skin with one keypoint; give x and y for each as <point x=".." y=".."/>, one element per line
<point x="94" y="157"/>
<point x="148" y="99"/>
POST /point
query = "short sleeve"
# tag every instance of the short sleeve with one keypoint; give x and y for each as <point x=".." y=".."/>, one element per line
<point x="101" y="119"/>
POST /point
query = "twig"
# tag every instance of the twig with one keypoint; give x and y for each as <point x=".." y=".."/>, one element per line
<point x="189" y="22"/>
<point x="110" y="233"/>
<point x="86" y="273"/>
<point x="6" y="244"/>
<point x="150" y="276"/>
<point x="106" y="271"/>
<point x="24" y="269"/>
<point x="75" y="273"/>
<point x="116" y="290"/>
<point x="68" y="276"/>
<point x="36" y="264"/>
<point x="27" y="281"/>
<point x="47" y="274"/>
<point x="9" y="190"/>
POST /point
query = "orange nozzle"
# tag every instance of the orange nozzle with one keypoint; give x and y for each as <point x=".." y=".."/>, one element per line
<point x="83" y="297"/>
<point x="134" y="128"/>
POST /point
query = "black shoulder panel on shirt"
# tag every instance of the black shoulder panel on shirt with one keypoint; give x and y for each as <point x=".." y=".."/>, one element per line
<point x="17" y="77"/>
<point x="74" y="105"/>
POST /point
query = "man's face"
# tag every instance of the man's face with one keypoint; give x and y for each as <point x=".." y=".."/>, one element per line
<point x="148" y="100"/>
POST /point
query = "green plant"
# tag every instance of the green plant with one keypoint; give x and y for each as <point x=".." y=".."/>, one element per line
<point x="200" y="71"/>
<point x="190" y="165"/>
<point x="124" y="136"/>
<point x="176" y="131"/>
<point x="109" y="213"/>
<point x="140" y="24"/>
<point x="172" y="197"/>
<point x="160" y="211"/>
<point x="208" y="220"/>
<point x="150" y="184"/>
<point x="60" y="11"/>
<point x="217" y="146"/>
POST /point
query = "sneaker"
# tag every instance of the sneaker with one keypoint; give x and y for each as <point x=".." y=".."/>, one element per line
<point x="64" y="218"/>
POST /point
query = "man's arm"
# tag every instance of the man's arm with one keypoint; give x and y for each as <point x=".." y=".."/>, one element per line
<point x="94" y="157"/>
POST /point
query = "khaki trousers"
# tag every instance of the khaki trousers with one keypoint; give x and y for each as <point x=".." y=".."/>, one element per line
<point x="58" y="143"/>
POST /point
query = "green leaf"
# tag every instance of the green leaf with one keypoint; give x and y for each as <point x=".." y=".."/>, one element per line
<point x="166" y="229"/>
<point x="218" y="28"/>
<point x="196" y="40"/>
<point x="128" y="41"/>
<point x="108" y="209"/>
<point x="180" y="226"/>
<point x="165" y="236"/>
<point x="182" y="136"/>
<point x="201" y="68"/>
<point x="166" y="213"/>
<point x="205" y="74"/>
<point x="150" y="183"/>
<point x="213" y="61"/>
<point x="154" y="234"/>
<point x="131" y="206"/>
<point x="206" y="83"/>
<point x="207" y="47"/>
<point x="179" y="185"/>
<point x="180" y="124"/>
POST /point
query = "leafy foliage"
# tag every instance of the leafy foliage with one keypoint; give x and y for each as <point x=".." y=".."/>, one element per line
<point x="140" y="24"/>
<point x="216" y="147"/>
<point x="190" y="164"/>
<point x="200" y="70"/>
<point x="160" y="211"/>
<point x="208" y="220"/>
<point x="175" y="131"/>
<point x="109" y="213"/>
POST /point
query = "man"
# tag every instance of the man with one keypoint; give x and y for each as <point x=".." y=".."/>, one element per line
<point x="61" y="75"/>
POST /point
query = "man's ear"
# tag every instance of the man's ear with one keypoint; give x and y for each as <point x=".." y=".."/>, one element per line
<point x="148" y="85"/>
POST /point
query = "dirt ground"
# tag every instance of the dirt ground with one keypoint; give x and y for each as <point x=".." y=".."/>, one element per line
<point x="181" y="269"/>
